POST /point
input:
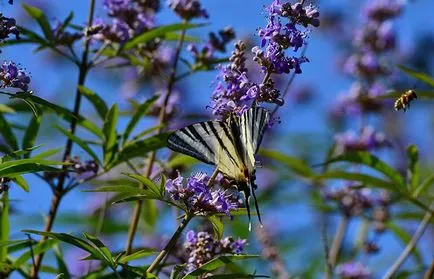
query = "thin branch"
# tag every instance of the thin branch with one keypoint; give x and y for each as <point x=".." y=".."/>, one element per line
<point x="410" y="246"/>
<point x="430" y="272"/>
<point x="337" y="241"/>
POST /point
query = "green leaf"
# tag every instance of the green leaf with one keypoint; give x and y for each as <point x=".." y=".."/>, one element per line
<point x="158" y="32"/>
<point x="176" y="271"/>
<point x="413" y="167"/>
<point x="40" y="247"/>
<point x="141" y="110"/>
<point x="75" y="241"/>
<point x="61" y="111"/>
<point x="365" y="158"/>
<point x="101" y="248"/>
<point x="109" y="130"/>
<point x="418" y="75"/>
<point x="236" y="275"/>
<point x="97" y="102"/>
<point x="122" y="189"/>
<point x="62" y="267"/>
<point x="6" y="109"/>
<point x="31" y="133"/>
<point x="172" y="36"/>
<point x="141" y="147"/>
<point x="7" y="133"/>
<point x="217" y="226"/>
<point x="40" y="17"/>
<point x="80" y="142"/>
<point x="296" y="165"/>
<point x="18" y="167"/>
<point x="146" y="132"/>
<point x="47" y="153"/>
<point x="217" y="263"/>
<point x="19" y="180"/>
<point x="149" y="185"/>
<point x="362" y="178"/>
<point x="181" y="160"/>
<point x="405" y="237"/>
<point x="426" y="184"/>
<point x="142" y="253"/>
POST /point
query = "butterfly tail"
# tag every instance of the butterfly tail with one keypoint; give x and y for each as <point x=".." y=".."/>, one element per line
<point x="247" y="197"/>
<point x="252" y="188"/>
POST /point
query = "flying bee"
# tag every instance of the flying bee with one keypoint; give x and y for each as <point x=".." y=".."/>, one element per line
<point x="403" y="102"/>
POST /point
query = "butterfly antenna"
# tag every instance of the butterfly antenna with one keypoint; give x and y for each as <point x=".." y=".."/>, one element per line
<point x="247" y="196"/>
<point x="252" y="187"/>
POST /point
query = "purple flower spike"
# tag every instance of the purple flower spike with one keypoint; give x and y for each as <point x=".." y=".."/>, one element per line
<point x="188" y="9"/>
<point x="353" y="270"/>
<point x="12" y="76"/>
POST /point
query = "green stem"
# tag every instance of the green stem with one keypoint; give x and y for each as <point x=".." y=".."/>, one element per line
<point x="337" y="241"/>
<point x="162" y="120"/>
<point x="4" y="229"/>
<point x="410" y="246"/>
<point x="59" y="192"/>
<point x="169" y="245"/>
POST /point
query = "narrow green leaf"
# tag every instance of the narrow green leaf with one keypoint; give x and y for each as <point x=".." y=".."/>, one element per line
<point x="97" y="102"/>
<point x="142" y="253"/>
<point x="217" y="225"/>
<point x="19" y="180"/>
<point x="40" y="17"/>
<point x="181" y="160"/>
<point x="80" y="142"/>
<point x="7" y="133"/>
<point x="6" y="109"/>
<point x="47" y="153"/>
<point x="418" y="75"/>
<point x="367" y="159"/>
<point x="149" y="184"/>
<point x="75" y="241"/>
<point x="176" y="271"/>
<point x="146" y="132"/>
<point x="141" y="148"/>
<point x="31" y="133"/>
<point x="172" y="36"/>
<point x="101" y="248"/>
<point x="405" y="237"/>
<point x="293" y="163"/>
<point x="4" y="228"/>
<point x="426" y="184"/>
<point x="413" y="167"/>
<point x="37" y="249"/>
<point x="158" y="32"/>
<point x="62" y="112"/>
<point x="20" y="166"/>
<point x="141" y="110"/>
<point x="62" y="267"/>
<point x="362" y="178"/>
<point x="217" y="263"/>
<point x="150" y="212"/>
<point x="109" y="130"/>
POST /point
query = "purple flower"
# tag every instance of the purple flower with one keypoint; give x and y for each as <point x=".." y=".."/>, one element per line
<point x="367" y="140"/>
<point x="376" y="36"/>
<point x="7" y="27"/>
<point x="353" y="270"/>
<point x="63" y="37"/>
<point x="188" y="9"/>
<point x="12" y="76"/>
<point x="366" y="65"/>
<point x="381" y="10"/>
<point x="201" y="247"/>
<point x="201" y="199"/>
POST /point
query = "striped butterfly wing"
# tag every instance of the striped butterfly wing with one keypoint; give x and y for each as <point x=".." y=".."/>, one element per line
<point x="211" y="142"/>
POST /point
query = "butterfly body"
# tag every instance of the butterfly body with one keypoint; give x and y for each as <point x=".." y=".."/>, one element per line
<point x="230" y="145"/>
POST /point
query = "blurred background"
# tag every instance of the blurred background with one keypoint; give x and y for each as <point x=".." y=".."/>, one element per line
<point x="306" y="129"/>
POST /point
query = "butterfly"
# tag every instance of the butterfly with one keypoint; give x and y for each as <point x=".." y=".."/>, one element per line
<point x="230" y="145"/>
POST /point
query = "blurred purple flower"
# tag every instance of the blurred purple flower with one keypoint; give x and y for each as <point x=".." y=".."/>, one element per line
<point x="381" y="10"/>
<point x="201" y="247"/>
<point x="366" y="65"/>
<point x="172" y="104"/>
<point x="201" y="199"/>
<point x="367" y="140"/>
<point x="63" y="37"/>
<point x="376" y="36"/>
<point x="8" y="27"/>
<point x="188" y="9"/>
<point x="12" y="76"/>
<point x="353" y="270"/>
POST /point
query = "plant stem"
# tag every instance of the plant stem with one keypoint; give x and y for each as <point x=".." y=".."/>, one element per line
<point x="430" y="272"/>
<point x="410" y="246"/>
<point x="4" y="229"/>
<point x="169" y="245"/>
<point x="59" y="191"/>
<point x="162" y="120"/>
<point x="337" y="241"/>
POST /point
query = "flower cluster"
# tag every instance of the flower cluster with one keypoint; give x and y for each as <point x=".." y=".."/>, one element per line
<point x="8" y="27"/>
<point x="286" y="29"/>
<point x="271" y="253"/>
<point x="188" y="9"/>
<point x="354" y="202"/>
<point x="368" y="140"/>
<point x="201" y="247"/>
<point x="216" y="43"/>
<point x="63" y="37"/>
<point x="81" y="170"/>
<point x="353" y="270"/>
<point x="201" y="199"/>
<point x="4" y="184"/>
<point x="13" y="76"/>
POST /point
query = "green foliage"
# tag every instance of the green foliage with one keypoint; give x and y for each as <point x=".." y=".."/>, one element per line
<point x="418" y="75"/>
